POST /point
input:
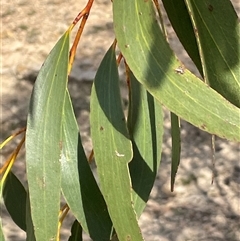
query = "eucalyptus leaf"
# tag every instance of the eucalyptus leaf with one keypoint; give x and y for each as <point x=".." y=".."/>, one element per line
<point x="176" y="147"/>
<point x="14" y="195"/>
<point x="43" y="141"/>
<point x="145" y="125"/>
<point x="78" y="184"/>
<point x="217" y="27"/>
<point x="181" y="22"/>
<point x="112" y="148"/>
<point x="153" y="63"/>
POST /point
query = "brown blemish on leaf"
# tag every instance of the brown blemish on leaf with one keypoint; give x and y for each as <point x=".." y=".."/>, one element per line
<point x="101" y="128"/>
<point x="196" y="31"/>
<point x="210" y="7"/>
<point x="129" y="237"/>
<point x="60" y="145"/>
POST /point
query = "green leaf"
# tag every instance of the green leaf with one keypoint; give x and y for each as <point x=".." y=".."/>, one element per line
<point x="112" y="148"/>
<point x="217" y="30"/>
<point x="78" y="183"/>
<point x="176" y="147"/>
<point x="14" y="195"/>
<point x="154" y="65"/>
<point x="29" y="223"/>
<point x="76" y="232"/>
<point x="44" y="141"/>
<point x="145" y="124"/>
<point x="181" y="22"/>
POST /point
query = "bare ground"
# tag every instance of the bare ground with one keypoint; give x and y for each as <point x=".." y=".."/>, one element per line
<point x="196" y="210"/>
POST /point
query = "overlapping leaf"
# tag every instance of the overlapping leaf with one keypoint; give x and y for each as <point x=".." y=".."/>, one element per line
<point x="43" y="141"/>
<point x="176" y="147"/>
<point x="155" y="66"/>
<point x="217" y="27"/>
<point x="145" y="124"/>
<point x="78" y="184"/>
<point x="112" y="149"/>
<point x="14" y="195"/>
<point x="181" y="22"/>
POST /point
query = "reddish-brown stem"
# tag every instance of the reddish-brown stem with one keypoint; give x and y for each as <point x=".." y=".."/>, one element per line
<point x="85" y="11"/>
<point x="84" y="15"/>
<point x="120" y="56"/>
<point x="90" y="158"/>
<point x="127" y="74"/>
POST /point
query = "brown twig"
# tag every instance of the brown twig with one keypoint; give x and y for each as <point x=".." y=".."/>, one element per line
<point x="84" y="15"/>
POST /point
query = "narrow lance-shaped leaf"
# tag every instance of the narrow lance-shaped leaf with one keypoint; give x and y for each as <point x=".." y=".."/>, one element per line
<point x="44" y="138"/>
<point x="112" y="148"/>
<point x="154" y="65"/>
<point x="181" y="22"/>
<point x="176" y="147"/>
<point x="217" y="27"/>
<point x="14" y="195"/>
<point x="78" y="183"/>
<point x="145" y="124"/>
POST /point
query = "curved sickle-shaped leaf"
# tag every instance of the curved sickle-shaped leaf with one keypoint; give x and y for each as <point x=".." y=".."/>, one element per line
<point x="78" y="183"/>
<point x="43" y="141"/>
<point x="176" y="147"/>
<point x="145" y="124"/>
<point x="112" y="148"/>
<point x="178" y="15"/>
<point x="155" y="66"/>
<point x="217" y="30"/>
<point x="14" y="195"/>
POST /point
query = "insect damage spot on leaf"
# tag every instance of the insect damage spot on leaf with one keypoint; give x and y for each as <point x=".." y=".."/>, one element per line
<point x="101" y="128"/>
